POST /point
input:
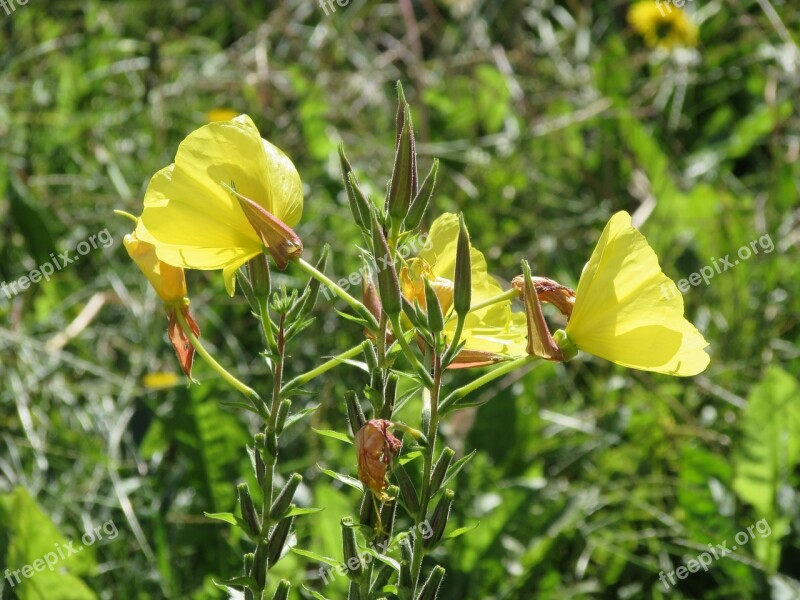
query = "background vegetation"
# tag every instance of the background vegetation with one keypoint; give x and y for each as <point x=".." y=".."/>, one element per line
<point x="547" y="117"/>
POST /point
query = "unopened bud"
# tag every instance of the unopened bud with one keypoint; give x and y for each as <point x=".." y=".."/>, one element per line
<point x="441" y="514"/>
<point x="355" y="416"/>
<point x="284" y="499"/>
<point x="440" y="470"/>
<point x="388" y="284"/>
<point x="359" y="205"/>
<point x="462" y="296"/>
<point x="260" y="564"/>
<point x="258" y="269"/>
<point x="282" y="593"/>
<point x="249" y="515"/>
<point x="258" y="460"/>
<point x="283" y="412"/>
<point x="430" y="588"/>
<point x="277" y="539"/>
<point x="390" y="395"/>
<point x="435" y="316"/>
<point x="407" y="490"/>
<point x="420" y="203"/>
<point x="355" y="566"/>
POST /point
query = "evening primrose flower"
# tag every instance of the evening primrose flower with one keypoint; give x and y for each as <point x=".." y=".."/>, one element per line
<point x="169" y="282"/>
<point x="228" y="195"/>
<point x="626" y="310"/>
<point x="662" y="24"/>
<point x="490" y="334"/>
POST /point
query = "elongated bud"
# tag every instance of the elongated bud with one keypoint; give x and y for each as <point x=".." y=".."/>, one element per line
<point x="420" y="203"/>
<point x="440" y="470"/>
<point x="369" y="355"/>
<point x="540" y="342"/>
<point x="354" y="591"/>
<point x="260" y="466"/>
<point x="435" y="317"/>
<point x="249" y="515"/>
<point x="280" y="240"/>
<point x="359" y="205"/>
<point x="388" y="512"/>
<point x="248" y="567"/>
<point x="390" y="395"/>
<point x="369" y="293"/>
<point x="260" y="563"/>
<point x="388" y="283"/>
<point x="407" y="490"/>
<point x="282" y="593"/>
<point x="462" y="296"/>
<point x="431" y="587"/>
<point x="440" y="516"/>
<point x="401" y="189"/>
<point x="366" y="514"/>
<point x="277" y="539"/>
<point x="355" y="415"/>
<point x="284" y="499"/>
<point x="271" y="444"/>
<point x="283" y="411"/>
<point x="258" y="269"/>
<point x="355" y="566"/>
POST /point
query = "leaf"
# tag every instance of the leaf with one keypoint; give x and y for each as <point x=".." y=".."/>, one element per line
<point x="317" y="557"/>
<point x="316" y="595"/>
<point x="223" y="516"/>
<point x="292" y="419"/>
<point x="297" y="511"/>
<point x="460" y="531"/>
<point x="346" y="479"/>
<point x="411" y="456"/>
<point x="333" y="434"/>
<point x="387" y="560"/>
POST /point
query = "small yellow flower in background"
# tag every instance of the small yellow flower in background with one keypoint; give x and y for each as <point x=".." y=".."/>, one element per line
<point x="160" y="380"/>
<point x="221" y="114"/>
<point x="228" y="193"/>
<point x="629" y="312"/>
<point x="169" y="282"/>
<point x="662" y="24"/>
<point x="492" y="333"/>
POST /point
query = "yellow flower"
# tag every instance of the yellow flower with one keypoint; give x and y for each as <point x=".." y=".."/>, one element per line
<point x="160" y="380"/>
<point x="196" y="221"/>
<point x="629" y="312"/>
<point x="491" y="333"/>
<point x="169" y="282"/>
<point x="661" y="23"/>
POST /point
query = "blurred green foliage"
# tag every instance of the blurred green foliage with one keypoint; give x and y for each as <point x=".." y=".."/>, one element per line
<point x="547" y="117"/>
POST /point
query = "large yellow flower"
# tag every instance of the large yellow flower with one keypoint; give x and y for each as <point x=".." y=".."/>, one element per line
<point x="491" y="333"/>
<point x="196" y="222"/>
<point x="629" y="312"/>
<point x="663" y="24"/>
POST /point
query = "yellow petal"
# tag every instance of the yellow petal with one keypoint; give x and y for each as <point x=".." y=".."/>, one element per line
<point x="168" y="281"/>
<point x="629" y="312"/>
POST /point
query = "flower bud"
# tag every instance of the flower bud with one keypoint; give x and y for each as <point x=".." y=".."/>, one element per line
<point x="283" y="412"/>
<point x="390" y="395"/>
<point x="260" y="564"/>
<point x="284" y="499"/>
<point x="435" y="317"/>
<point x="260" y="466"/>
<point x="560" y="296"/>
<point x="440" y="470"/>
<point x="565" y="344"/>
<point x="369" y="293"/>
<point x="540" y="342"/>
<point x="388" y="284"/>
<point x="403" y="186"/>
<point x="277" y="539"/>
<point x="440" y="516"/>
<point x="249" y="515"/>
<point x="422" y="199"/>
<point x="359" y="204"/>
<point x="383" y="577"/>
<point x="355" y="566"/>
<point x="430" y="589"/>
<point x="282" y="593"/>
<point x="462" y="296"/>
<point x="407" y="490"/>
<point x="355" y="416"/>
<point x="367" y="516"/>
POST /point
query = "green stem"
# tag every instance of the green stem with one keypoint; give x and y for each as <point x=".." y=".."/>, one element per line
<point x="408" y="352"/>
<point x="266" y="324"/>
<point x="351" y="302"/>
<point x="418" y="552"/>
<point x="323" y="368"/>
<point x="451" y="350"/>
<point x="509" y="295"/>
<point x="503" y="369"/>
<point x="200" y="349"/>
